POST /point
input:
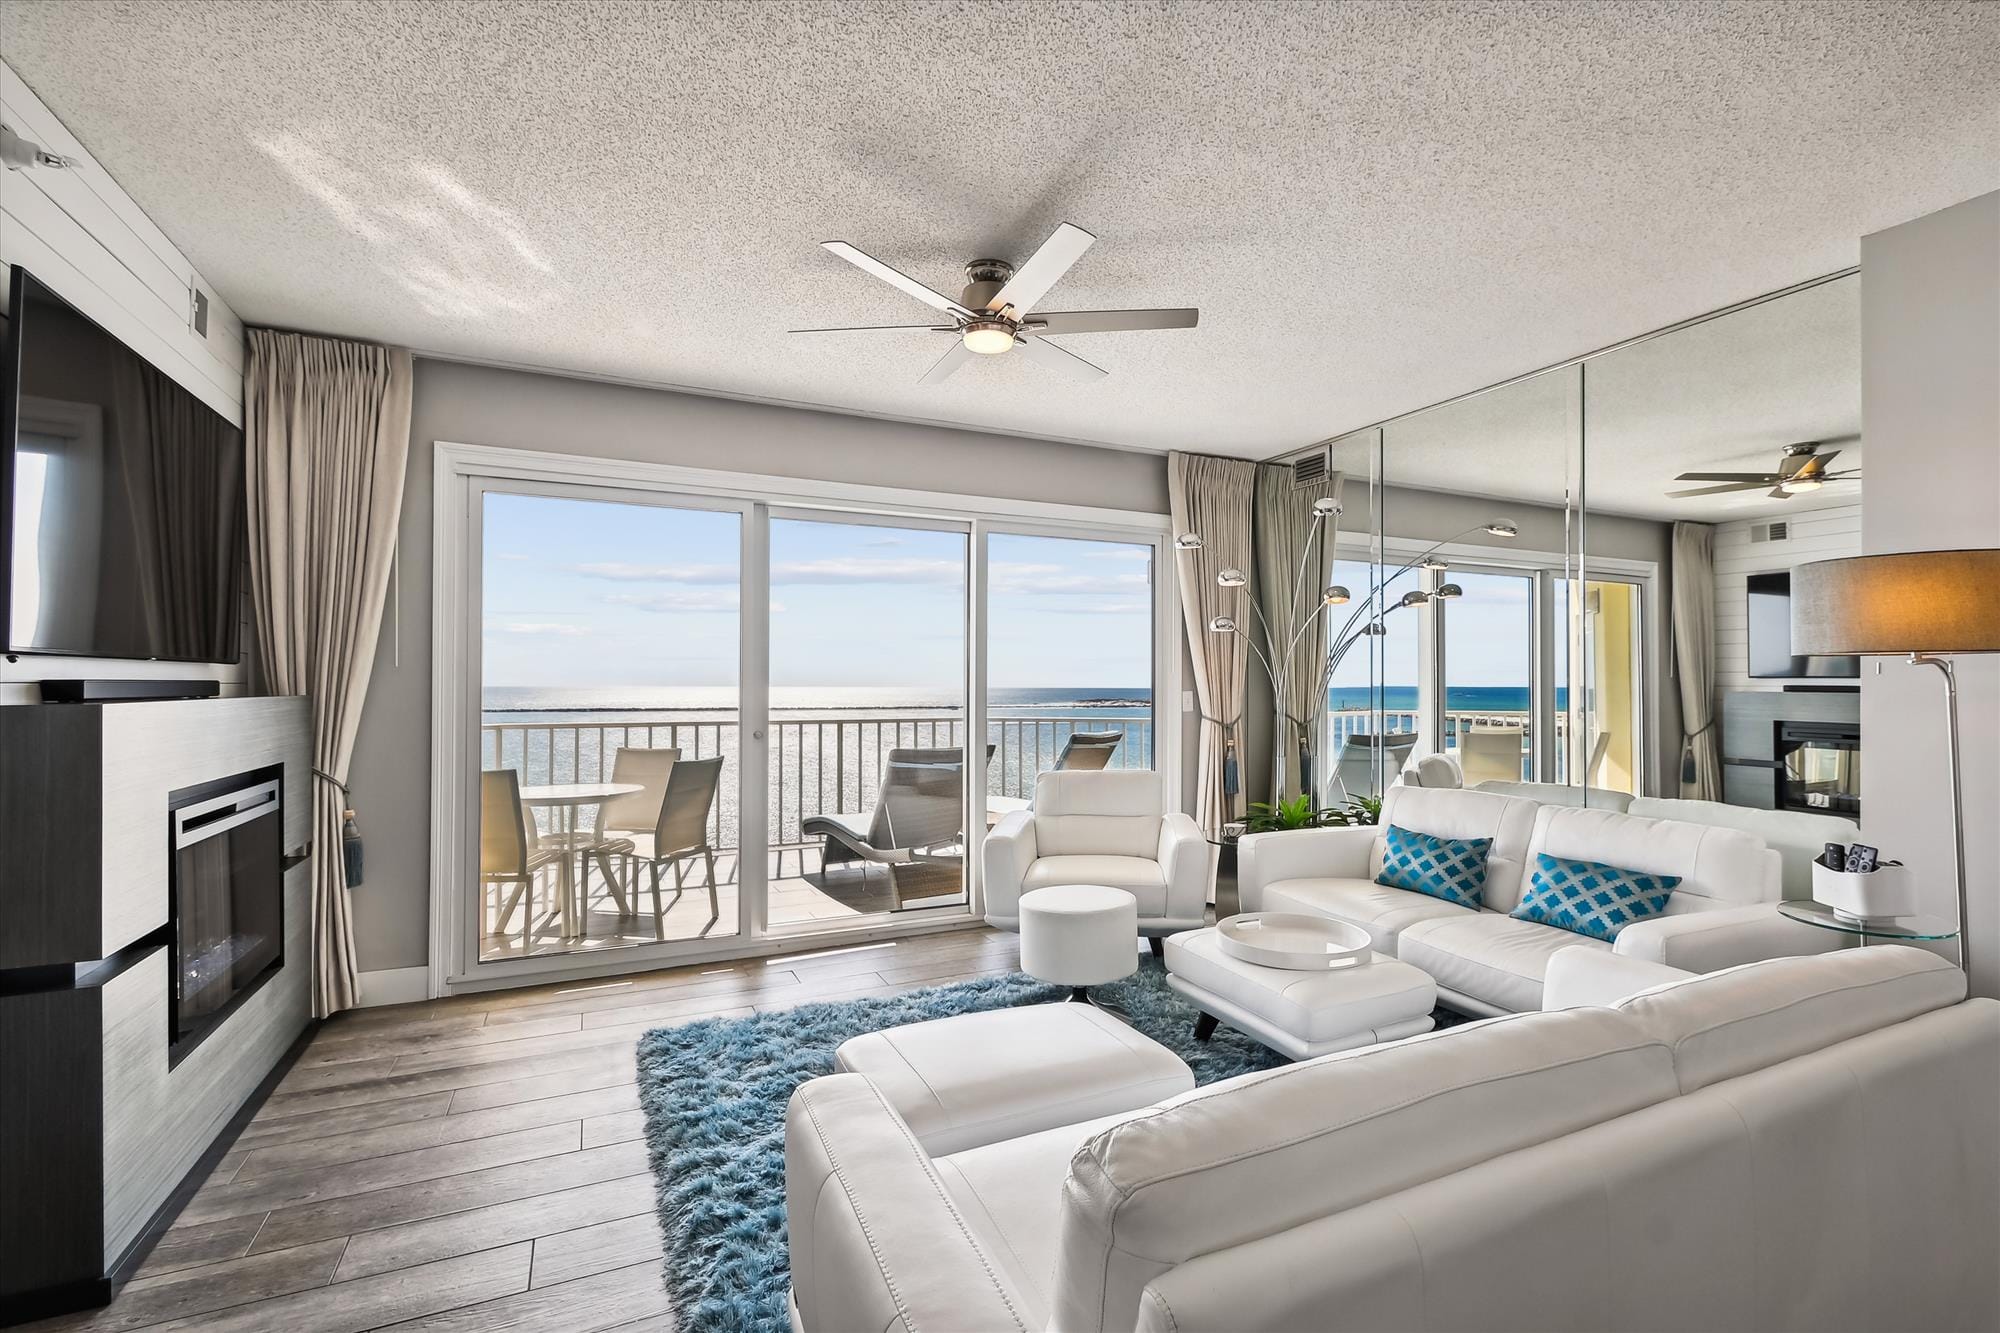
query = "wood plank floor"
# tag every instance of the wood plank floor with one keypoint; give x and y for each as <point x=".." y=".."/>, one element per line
<point x="475" y="1162"/>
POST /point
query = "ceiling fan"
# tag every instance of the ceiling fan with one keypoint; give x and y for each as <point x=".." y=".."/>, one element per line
<point x="1801" y="468"/>
<point x="993" y="315"/>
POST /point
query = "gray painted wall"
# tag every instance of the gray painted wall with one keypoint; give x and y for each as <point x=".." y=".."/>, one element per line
<point x="1930" y="403"/>
<point x="513" y="409"/>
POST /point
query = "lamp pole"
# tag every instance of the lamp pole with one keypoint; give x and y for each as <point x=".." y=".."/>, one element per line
<point x="1944" y="666"/>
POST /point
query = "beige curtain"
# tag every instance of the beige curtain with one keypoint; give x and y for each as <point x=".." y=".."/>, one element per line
<point x="328" y="426"/>
<point x="1694" y="659"/>
<point x="1210" y="497"/>
<point x="1290" y="580"/>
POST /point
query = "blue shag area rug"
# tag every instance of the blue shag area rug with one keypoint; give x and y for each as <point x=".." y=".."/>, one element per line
<point x="714" y="1093"/>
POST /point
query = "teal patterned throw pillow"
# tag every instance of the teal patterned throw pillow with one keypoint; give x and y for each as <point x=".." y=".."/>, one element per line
<point x="1453" y="869"/>
<point x="1591" y="898"/>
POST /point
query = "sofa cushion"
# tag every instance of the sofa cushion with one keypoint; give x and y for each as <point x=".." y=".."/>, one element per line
<point x="1448" y="813"/>
<point x="1489" y="957"/>
<point x="1741" y="1019"/>
<point x="1453" y="869"/>
<point x="1137" y="875"/>
<point x="1010" y="1194"/>
<point x="1592" y="898"/>
<point x="1255" y="1155"/>
<point x="1797" y="836"/>
<point x="1102" y="813"/>
<point x="1383" y="912"/>
<point x="1718" y="867"/>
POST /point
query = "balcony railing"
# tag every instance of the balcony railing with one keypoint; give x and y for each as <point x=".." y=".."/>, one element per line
<point x="1347" y="722"/>
<point x="818" y="764"/>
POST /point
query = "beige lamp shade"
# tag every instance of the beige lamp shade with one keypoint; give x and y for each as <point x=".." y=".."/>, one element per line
<point x="1916" y="602"/>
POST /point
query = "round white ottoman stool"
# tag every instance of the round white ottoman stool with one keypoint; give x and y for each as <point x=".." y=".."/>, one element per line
<point x="1079" y="935"/>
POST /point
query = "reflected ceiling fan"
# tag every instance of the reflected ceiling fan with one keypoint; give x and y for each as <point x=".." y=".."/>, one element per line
<point x="1801" y="468"/>
<point x="994" y="314"/>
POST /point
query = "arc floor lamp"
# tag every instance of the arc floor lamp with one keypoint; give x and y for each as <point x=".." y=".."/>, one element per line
<point x="1925" y="605"/>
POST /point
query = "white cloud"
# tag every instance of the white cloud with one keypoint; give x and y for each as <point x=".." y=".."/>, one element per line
<point x="1055" y="580"/>
<point x="678" y="599"/>
<point x="542" y="628"/>
<point x="624" y="573"/>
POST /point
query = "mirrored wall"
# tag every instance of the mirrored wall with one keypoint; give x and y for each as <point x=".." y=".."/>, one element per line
<point x="1578" y="579"/>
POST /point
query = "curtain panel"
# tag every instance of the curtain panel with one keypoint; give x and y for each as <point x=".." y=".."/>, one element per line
<point x="1294" y="565"/>
<point x="1694" y="659"/>
<point x="328" y="431"/>
<point x="1210" y="497"/>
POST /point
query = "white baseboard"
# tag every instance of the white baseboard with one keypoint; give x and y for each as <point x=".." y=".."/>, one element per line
<point x="395" y="985"/>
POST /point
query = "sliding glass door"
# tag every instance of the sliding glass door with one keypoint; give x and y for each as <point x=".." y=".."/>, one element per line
<point x="609" y="765"/>
<point x="1488" y="670"/>
<point x="1069" y="660"/>
<point x="868" y="771"/>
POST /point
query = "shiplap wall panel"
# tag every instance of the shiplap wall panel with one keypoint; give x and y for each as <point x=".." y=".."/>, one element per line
<point x="77" y="231"/>
<point x="1817" y="534"/>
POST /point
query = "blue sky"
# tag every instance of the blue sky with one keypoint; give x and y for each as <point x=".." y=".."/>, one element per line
<point x="588" y="593"/>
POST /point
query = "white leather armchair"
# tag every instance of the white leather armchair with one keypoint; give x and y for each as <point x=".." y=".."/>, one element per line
<point x="1108" y="827"/>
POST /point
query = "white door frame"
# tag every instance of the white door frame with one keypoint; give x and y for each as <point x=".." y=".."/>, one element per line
<point x="460" y="474"/>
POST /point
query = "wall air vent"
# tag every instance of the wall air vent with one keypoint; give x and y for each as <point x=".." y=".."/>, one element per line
<point x="1309" y="471"/>
<point x="1769" y="532"/>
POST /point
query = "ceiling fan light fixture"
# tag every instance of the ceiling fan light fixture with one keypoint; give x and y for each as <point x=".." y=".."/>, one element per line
<point x="989" y="337"/>
<point x="1800" y="485"/>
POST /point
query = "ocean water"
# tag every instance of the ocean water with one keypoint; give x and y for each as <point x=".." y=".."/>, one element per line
<point x="1458" y="698"/>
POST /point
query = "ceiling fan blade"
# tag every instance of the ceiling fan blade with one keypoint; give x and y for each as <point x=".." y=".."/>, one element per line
<point x="1778" y="493"/>
<point x="1033" y="279"/>
<point x="1749" y="478"/>
<point x="869" y="264"/>
<point x="1757" y="485"/>
<point x="1058" y="358"/>
<point x="1816" y="465"/>
<point x="1112" y="321"/>
<point x="948" y="363"/>
<point x="885" y="328"/>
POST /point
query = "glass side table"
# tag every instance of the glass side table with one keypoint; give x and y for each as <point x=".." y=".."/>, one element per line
<point x="1884" y="928"/>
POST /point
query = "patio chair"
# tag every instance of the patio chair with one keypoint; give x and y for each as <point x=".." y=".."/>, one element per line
<point x="638" y="812"/>
<point x="1356" y="769"/>
<point x="1490" y="754"/>
<point x="917" y="828"/>
<point x="1088" y="750"/>
<point x="678" y="834"/>
<point x="510" y="848"/>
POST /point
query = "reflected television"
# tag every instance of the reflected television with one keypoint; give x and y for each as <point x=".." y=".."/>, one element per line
<point x="1769" y="634"/>
<point x="121" y="497"/>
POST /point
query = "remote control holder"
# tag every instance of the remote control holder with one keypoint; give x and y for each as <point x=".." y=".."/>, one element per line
<point x="1878" y="895"/>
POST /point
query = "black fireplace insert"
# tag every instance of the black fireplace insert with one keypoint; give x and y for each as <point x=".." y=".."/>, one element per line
<point x="226" y="886"/>
<point x="1819" y="767"/>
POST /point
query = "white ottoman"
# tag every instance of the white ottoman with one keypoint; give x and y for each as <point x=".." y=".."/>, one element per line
<point x="974" y="1079"/>
<point x="1302" y="1014"/>
<point x="1079" y="935"/>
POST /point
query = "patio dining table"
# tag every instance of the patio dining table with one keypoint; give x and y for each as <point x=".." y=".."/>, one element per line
<point x="566" y="799"/>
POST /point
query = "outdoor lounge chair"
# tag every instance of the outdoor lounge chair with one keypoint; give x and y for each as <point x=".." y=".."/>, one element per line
<point x="1356" y="770"/>
<point x="1088" y="750"/>
<point x="917" y="828"/>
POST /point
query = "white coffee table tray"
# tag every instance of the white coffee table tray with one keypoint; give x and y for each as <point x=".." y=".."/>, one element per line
<point x="1294" y="942"/>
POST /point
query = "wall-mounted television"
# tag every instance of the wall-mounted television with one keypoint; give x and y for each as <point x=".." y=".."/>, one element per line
<point x="121" y="497"/>
<point x="1770" y="637"/>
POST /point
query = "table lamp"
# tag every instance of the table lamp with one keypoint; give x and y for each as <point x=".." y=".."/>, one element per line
<point x="1927" y="605"/>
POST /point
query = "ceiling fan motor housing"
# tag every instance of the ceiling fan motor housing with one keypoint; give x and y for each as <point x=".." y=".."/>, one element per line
<point x="983" y="280"/>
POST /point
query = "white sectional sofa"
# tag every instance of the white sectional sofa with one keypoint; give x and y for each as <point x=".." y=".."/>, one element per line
<point x="1808" y="1143"/>
<point x="1724" y="911"/>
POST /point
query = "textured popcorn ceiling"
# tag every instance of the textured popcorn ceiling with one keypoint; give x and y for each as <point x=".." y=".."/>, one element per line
<point x="1376" y="206"/>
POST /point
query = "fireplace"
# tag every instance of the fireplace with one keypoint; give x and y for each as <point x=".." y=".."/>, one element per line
<point x="226" y="892"/>
<point x="1819" y="767"/>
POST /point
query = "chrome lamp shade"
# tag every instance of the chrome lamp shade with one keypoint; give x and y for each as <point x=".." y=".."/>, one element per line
<point x="1916" y="602"/>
